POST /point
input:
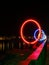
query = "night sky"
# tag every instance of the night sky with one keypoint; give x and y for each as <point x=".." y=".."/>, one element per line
<point x="12" y="18"/>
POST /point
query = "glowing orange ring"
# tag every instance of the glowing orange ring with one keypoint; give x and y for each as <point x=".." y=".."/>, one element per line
<point x="22" y="27"/>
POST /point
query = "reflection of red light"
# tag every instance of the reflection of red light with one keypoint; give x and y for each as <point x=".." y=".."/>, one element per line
<point x="22" y="27"/>
<point x="34" y="56"/>
<point x="34" y="47"/>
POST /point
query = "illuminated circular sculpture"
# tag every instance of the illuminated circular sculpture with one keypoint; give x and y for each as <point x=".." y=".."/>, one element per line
<point x="43" y="36"/>
<point x="22" y="28"/>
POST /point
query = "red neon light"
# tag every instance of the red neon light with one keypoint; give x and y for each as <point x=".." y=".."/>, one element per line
<point x="22" y="27"/>
<point x="34" y="55"/>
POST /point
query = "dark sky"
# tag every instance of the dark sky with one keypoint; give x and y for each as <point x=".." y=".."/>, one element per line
<point x="12" y="17"/>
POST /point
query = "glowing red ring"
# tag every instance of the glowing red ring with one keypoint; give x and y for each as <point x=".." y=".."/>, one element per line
<point x="21" y="31"/>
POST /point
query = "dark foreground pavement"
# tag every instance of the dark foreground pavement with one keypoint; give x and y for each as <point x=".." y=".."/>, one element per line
<point x="13" y="57"/>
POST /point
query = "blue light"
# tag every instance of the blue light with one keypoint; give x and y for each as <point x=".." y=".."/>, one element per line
<point x="43" y="35"/>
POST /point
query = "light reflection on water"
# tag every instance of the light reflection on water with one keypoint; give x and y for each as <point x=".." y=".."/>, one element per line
<point x="4" y="46"/>
<point x="0" y="46"/>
